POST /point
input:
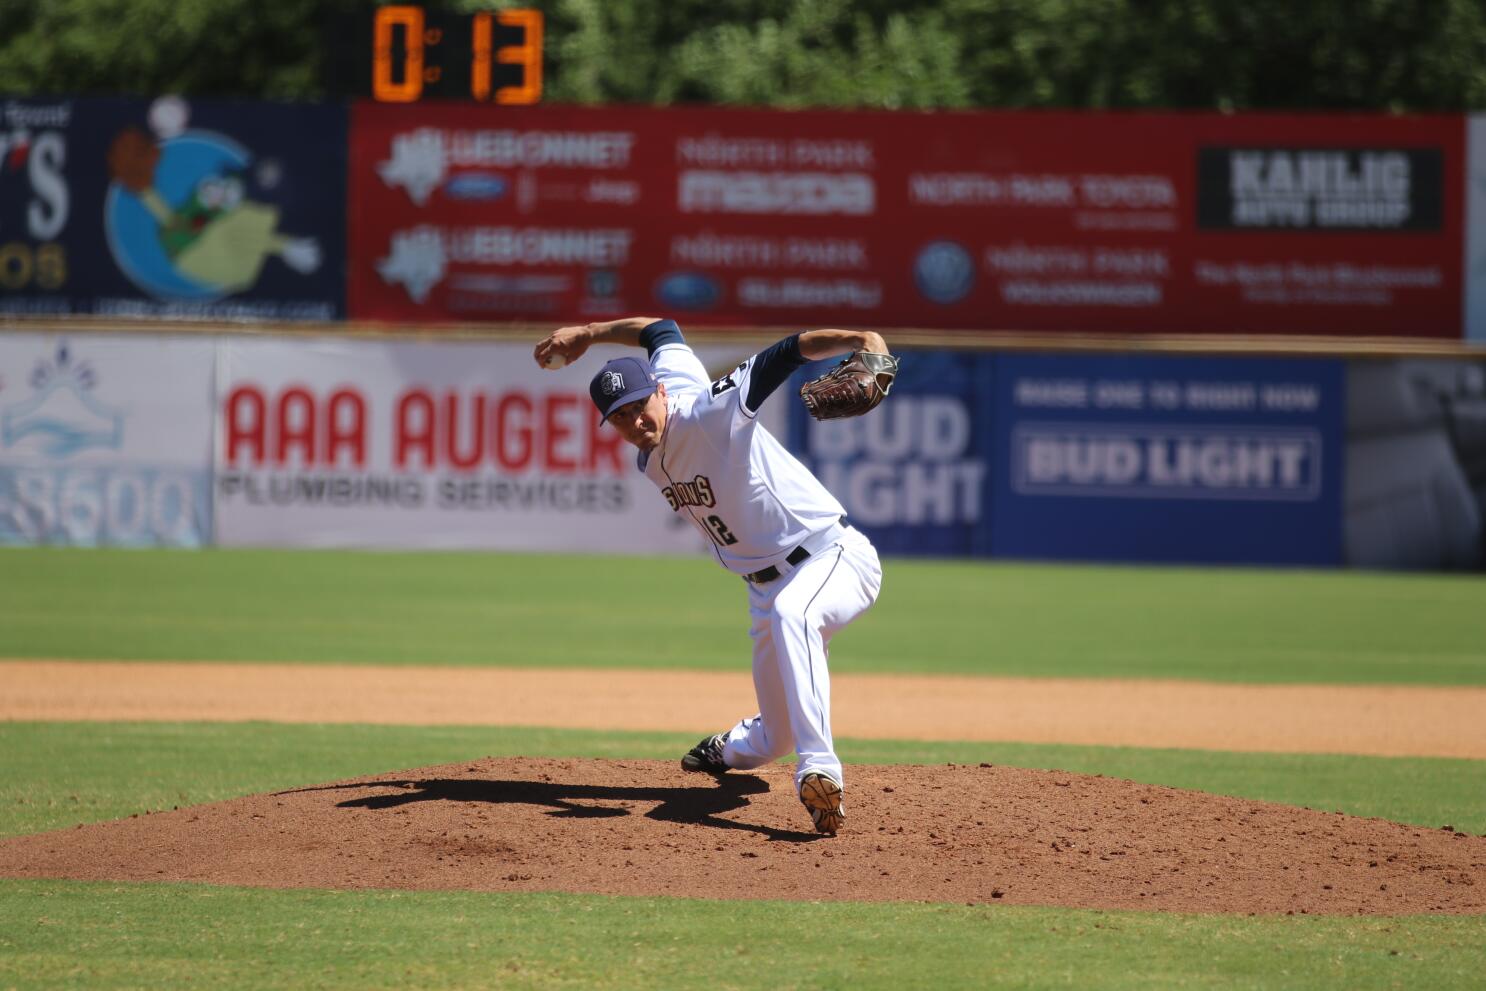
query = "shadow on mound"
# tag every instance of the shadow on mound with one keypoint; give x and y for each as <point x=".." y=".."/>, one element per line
<point x="992" y="835"/>
<point x="700" y="805"/>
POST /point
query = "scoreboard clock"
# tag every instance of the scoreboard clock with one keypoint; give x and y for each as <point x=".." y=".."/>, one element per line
<point x="403" y="53"/>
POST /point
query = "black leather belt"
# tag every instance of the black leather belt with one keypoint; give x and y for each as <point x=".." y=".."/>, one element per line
<point x="771" y="573"/>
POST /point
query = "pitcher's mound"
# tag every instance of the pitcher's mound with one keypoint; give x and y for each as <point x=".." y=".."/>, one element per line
<point x="984" y="834"/>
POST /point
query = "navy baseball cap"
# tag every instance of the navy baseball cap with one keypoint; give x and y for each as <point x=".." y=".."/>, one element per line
<point x="620" y="381"/>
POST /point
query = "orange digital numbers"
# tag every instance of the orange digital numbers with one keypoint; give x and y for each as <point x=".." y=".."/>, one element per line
<point x="385" y="88"/>
<point x="528" y="55"/>
<point x="480" y="58"/>
<point x="417" y="55"/>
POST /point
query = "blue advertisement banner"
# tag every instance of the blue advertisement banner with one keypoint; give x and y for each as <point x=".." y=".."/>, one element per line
<point x="172" y="208"/>
<point x="1210" y="460"/>
<point x="914" y="473"/>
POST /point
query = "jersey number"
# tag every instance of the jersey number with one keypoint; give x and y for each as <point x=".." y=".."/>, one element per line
<point x="720" y="531"/>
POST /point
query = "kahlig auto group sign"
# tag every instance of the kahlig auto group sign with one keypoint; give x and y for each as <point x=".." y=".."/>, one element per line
<point x="1320" y="189"/>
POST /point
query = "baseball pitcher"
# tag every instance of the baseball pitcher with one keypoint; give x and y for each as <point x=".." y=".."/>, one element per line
<point x="766" y="517"/>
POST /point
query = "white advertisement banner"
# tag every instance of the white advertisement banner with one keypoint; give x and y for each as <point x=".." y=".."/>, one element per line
<point x="354" y="443"/>
<point x="105" y="440"/>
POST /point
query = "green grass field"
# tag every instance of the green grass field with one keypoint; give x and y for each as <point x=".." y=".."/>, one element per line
<point x="483" y="609"/>
<point x="154" y="936"/>
<point x="471" y="609"/>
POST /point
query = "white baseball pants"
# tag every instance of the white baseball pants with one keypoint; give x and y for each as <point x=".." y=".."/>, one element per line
<point x="794" y="618"/>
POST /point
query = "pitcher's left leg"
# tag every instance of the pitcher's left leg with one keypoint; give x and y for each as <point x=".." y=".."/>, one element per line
<point x="822" y="596"/>
<point x="766" y="737"/>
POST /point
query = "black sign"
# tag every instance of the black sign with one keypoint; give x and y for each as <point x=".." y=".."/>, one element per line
<point x="172" y="208"/>
<point x="1319" y="189"/>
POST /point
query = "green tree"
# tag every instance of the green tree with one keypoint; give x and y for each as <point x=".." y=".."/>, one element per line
<point x="250" y="48"/>
<point x="1260" y="54"/>
<point x="1414" y="55"/>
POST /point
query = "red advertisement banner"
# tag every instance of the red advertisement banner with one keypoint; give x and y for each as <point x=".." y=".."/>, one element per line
<point x="1136" y="223"/>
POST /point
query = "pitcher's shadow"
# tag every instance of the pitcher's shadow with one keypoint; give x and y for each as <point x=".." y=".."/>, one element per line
<point x="695" y="805"/>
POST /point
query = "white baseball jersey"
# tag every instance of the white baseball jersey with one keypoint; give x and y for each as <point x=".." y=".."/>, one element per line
<point x="717" y="464"/>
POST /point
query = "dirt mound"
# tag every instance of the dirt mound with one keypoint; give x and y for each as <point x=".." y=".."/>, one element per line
<point x="951" y="834"/>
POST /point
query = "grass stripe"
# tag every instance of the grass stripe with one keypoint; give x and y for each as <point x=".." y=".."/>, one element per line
<point x="103" y="936"/>
<point x="1241" y="625"/>
<point x="60" y="774"/>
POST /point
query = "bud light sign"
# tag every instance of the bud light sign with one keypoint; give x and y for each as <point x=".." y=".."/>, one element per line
<point x="912" y="474"/>
<point x="1168" y="459"/>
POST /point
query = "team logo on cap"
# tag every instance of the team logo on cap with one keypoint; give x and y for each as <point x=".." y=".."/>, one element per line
<point x="612" y="383"/>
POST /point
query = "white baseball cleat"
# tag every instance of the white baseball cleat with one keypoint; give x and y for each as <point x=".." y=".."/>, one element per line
<point x="822" y="796"/>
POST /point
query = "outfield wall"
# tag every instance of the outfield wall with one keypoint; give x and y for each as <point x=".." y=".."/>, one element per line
<point x="237" y="440"/>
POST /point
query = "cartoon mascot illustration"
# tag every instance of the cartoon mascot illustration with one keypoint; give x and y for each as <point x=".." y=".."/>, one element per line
<point x="212" y="241"/>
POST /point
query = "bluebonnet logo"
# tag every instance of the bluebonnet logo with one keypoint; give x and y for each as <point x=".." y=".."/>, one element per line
<point x="62" y="414"/>
<point x="688" y="291"/>
<point x="943" y="272"/>
<point x="477" y="186"/>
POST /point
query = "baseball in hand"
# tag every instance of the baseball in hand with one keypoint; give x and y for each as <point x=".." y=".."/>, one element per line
<point x="554" y="361"/>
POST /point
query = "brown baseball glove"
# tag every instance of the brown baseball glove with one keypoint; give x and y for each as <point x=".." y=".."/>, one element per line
<point x="852" y="388"/>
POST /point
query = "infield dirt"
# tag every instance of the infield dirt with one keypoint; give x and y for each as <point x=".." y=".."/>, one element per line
<point x="978" y="834"/>
<point x="1379" y="720"/>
